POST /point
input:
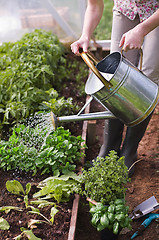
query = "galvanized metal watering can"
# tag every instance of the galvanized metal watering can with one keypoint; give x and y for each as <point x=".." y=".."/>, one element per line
<point x="123" y="90"/>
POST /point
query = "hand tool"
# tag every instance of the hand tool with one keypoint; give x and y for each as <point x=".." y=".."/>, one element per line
<point x="144" y="208"/>
<point x="145" y="224"/>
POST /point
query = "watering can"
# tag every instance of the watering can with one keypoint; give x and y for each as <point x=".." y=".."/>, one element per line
<point x="120" y="87"/>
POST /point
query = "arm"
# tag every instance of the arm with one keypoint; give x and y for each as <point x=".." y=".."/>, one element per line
<point x="134" y="38"/>
<point x="93" y="15"/>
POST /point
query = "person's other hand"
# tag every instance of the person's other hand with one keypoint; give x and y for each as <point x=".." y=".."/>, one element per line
<point x="82" y="42"/>
<point x="132" y="39"/>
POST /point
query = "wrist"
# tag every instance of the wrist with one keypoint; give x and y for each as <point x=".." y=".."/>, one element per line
<point x="142" y="29"/>
<point x="86" y="37"/>
<point x="146" y="27"/>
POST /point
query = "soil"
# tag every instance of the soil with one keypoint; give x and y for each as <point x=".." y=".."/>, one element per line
<point x="144" y="184"/>
<point x="59" y="230"/>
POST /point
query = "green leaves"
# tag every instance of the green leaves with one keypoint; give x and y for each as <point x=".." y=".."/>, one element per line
<point x="60" y="153"/>
<point x="29" y="69"/>
<point x="111" y="217"/>
<point x="106" y="179"/>
<point x="7" y="209"/>
<point x="15" y="187"/>
<point x="4" y="225"/>
<point x="59" y="188"/>
<point x="53" y="213"/>
<point x="27" y="234"/>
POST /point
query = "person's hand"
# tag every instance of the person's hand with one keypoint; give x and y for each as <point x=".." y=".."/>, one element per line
<point x="82" y="42"/>
<point x="132" y="39"/>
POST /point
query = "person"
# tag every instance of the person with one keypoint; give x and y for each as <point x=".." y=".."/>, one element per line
<point x="134" y="38"/>
<point x="135" y="25"/>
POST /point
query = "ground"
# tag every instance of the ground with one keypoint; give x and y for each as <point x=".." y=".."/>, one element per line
<point x="144" y="183"/>
<point x="59" y="230"/>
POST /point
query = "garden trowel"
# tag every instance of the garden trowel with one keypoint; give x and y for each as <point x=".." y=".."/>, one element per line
<point x="144" y="208"/>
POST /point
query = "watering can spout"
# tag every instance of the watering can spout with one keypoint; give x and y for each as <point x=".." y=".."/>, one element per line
<point x="81" y="117"/>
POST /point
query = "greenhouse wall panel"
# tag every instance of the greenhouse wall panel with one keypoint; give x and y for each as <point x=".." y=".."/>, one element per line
<point x="63" y="17"/>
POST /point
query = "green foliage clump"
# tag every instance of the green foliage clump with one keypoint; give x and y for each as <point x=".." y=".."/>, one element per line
<point x="59" y="153"/>
<point x="105" y="180"/>
<point x="57" y="187"/>
<point x="30" y="71"/>
<point x="103" y="30"/>
<point x="113" y="217"/>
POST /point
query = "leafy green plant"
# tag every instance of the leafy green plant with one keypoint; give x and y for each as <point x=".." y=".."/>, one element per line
<point x="60" y="152"/>
<point x="59" y="106"/>
<point x="105" y="180"/>
<point x="59" y="188"/>
<point x="26" y="72"/>
<point x="16" y="188"/>
<point x="113" y="217"/>
<point x="32" y="70"/>
<point x="27" y="234"/>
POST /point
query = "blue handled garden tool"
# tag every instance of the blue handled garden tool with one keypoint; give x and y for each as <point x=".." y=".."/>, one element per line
<point x="145" y="224"/>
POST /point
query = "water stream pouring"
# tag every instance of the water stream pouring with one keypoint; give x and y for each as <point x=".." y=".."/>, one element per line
<point x="120" y="87"/>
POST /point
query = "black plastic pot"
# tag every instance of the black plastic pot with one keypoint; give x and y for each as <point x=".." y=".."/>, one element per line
<point x="107" y="234"/>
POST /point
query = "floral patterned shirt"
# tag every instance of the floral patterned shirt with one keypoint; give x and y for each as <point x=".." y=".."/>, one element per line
<point x="130" y="8"/>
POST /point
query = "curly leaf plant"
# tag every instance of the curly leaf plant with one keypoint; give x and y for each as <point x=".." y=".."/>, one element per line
<point x="105" y="180"/>
<point x="104" y="183"/>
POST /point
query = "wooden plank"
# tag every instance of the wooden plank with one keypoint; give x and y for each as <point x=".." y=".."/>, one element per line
<point x="91" y="132"/>
<point x="72" y="230"/>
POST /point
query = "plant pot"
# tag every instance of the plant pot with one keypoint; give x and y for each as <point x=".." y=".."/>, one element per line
<point x="107" y="234"/>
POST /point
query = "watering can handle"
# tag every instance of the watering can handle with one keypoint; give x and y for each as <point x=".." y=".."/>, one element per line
<point x="86" y="57"/>
<point x="141" y="57"/>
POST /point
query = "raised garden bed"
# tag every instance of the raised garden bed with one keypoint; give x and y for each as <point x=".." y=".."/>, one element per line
<point x="64" y="225"/>
<point x="143" y="185"/>
<point x="144" y="182"/>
